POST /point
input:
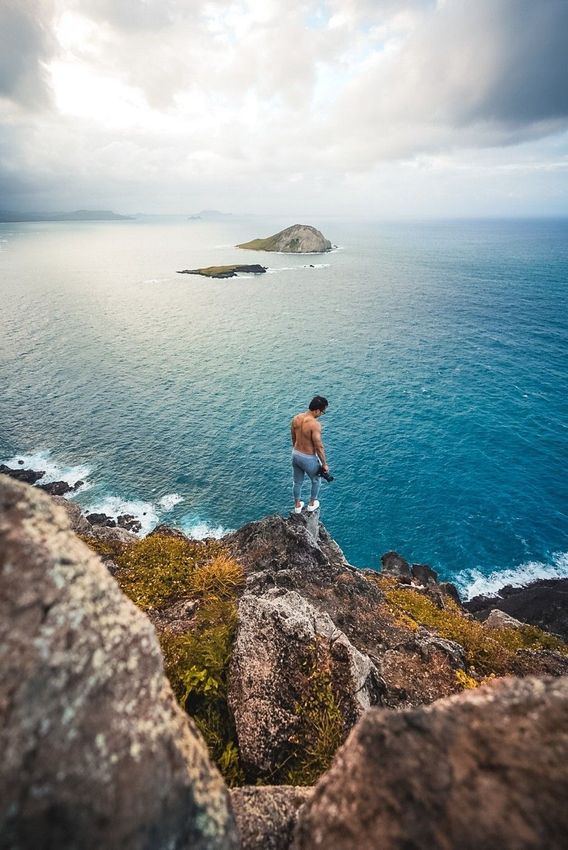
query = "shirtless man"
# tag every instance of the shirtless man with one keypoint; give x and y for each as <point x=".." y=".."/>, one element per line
<point x="308" y="453"/>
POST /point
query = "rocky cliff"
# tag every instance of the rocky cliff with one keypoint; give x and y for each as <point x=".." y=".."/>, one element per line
<point x="544" y="603"/>
<point x="298" y="239"/>
<point x="295" y="669"/>
<point x="95" y="750"/>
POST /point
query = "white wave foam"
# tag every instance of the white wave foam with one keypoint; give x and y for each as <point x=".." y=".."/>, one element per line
<point x="54" y="471"/>
<point x="114" y="506"/>
<point x="170" y="501"/>
<point x="199" y="530"/>
<point x="284" y="269"/>
<point x="298" y="268"/>
<point x="474" y="583"/>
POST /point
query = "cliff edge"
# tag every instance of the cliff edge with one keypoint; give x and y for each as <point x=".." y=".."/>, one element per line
<point x="401" y="715"/>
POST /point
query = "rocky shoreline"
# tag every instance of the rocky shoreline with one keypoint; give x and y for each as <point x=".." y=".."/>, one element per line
<point x="339" y="704"/>
<point x="542" y="602"/>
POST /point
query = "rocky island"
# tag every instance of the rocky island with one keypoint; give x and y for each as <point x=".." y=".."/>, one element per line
<point x="259" y="692"/>
<point x="298" y="239"/>
<point x="226" y="271"/>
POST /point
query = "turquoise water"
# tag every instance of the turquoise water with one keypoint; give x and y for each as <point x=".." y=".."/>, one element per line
<point x="441" y="347"/>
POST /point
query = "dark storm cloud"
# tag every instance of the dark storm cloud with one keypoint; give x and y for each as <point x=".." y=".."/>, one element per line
<point x="26" y="42"/>
<point x="533" y="84"/>
<point x="465" y="75"/>
<point x="518" y="59"/>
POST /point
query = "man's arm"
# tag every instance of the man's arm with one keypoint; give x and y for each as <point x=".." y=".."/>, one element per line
<point x="318" y="445"/>
<point x="292" y="432"/>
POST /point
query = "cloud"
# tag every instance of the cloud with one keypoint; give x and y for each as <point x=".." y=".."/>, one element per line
<point x="503" y="62"/>
<point x="160" y="98"/>
<point x="467" y="75"/>
<point x="129" y="15"/>
<point x="26" y="43"/>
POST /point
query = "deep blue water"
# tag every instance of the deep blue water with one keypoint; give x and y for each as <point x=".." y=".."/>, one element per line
<point x="442" y="348"/>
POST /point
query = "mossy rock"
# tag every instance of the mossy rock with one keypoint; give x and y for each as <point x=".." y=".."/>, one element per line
<point x="155" y="572"/>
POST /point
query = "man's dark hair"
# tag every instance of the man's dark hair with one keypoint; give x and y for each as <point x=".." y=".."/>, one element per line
<point x="318" y="403"/>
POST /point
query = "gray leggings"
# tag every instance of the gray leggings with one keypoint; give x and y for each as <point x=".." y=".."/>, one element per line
<point x="303" y="464"/>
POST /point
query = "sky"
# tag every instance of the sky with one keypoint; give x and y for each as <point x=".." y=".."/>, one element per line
<point x="364" y="108"/>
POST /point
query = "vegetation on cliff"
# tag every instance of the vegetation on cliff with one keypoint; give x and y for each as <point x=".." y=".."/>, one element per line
<point x="160" y="573"/>
<point x="487" y="651"/>
<point x="322" y="723"/>
<point x="160" y="570"/>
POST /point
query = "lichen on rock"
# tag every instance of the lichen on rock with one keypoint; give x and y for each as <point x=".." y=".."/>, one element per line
<point x="96" y="752"/>
<point x="486" y="768"/>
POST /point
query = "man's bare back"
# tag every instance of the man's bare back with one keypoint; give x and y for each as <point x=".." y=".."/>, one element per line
<point x="306" y="435"/>
<point x="308" y="453"/>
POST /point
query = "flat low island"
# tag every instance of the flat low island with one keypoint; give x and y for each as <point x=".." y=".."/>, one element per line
<point x="226" y="271"/>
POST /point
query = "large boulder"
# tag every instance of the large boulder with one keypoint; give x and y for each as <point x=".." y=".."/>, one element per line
<point x="297" y="554"/>
<point x="281" y="642"/>
<point x="487" y="768"/>
<point x="266" y="815"/>
<point x="500" y="620"/>
<point x="95" y="751"/>
<point x="297" y="239"/>
<point x="395" y="565"/>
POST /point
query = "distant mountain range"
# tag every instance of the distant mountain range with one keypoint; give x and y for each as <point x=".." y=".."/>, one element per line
<point x="77" y="215"/>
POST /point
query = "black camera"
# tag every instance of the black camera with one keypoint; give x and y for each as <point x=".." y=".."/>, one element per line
<point x="327" y="475"/>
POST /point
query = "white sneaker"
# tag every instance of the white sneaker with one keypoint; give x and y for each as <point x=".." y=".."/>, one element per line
<point x="299" y="510"/>
<point x="313" y="507"/>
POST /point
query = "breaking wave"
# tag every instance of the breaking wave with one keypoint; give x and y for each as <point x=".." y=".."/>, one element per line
<point x="473" y="583"/>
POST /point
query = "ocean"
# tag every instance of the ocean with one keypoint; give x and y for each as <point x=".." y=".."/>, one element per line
<point x="441" y="346"/>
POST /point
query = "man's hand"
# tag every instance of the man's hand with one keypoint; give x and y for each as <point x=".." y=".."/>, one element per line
<point x="325" y="467"/>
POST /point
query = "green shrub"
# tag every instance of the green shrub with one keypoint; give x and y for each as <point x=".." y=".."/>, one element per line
<point x="158" y="570"/>
<point x="321" y="726"/>
<point x="487" y="650"/>
<point x="196" y="664"/>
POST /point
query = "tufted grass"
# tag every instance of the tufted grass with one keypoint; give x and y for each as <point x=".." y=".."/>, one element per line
<point x="487" y="651"/>
<point x="220" y="578"/>
<point x="160" y="569"/>
<point x="321" y="727"/>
